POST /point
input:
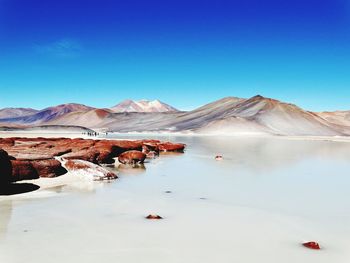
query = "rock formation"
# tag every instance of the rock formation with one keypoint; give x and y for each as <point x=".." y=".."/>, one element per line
<point x="132" y="157"/>
<point x="31" y="158"/>
<point x="5" y="168"/>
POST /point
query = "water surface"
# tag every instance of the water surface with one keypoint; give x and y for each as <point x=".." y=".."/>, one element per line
<point x="257" y="205"/>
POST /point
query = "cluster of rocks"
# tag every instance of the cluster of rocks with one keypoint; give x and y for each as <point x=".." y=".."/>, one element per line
<point x="31" y="158"/>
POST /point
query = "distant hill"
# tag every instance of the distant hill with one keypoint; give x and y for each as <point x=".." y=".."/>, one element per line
<point x="47" y="114"/>
<point x="16" y="112"/>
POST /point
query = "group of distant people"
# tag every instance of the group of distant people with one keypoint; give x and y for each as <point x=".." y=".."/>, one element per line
<point x="93" y="133"/>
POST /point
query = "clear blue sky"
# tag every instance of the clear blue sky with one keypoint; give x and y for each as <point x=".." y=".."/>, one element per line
<point x="183" y="52"/>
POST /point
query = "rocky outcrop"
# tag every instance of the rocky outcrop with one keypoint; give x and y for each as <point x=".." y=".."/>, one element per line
<point x="171" y="147"/>
<point x="48" y="168"/>
<point x="5" y="168"/>
<point x="151" y="149"/>
<point x="132" y="157"/>
<point x="31" y="158"/>
<point x="23" y="170"/>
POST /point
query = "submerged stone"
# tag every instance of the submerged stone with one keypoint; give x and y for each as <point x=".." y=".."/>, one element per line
<point x="312" y="245"/>
<point x="157" y="217"/>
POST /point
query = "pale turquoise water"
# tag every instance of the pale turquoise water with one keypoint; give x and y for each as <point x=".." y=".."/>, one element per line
<point x="256" y="205"/>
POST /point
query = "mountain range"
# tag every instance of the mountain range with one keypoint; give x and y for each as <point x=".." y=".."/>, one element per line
<point x="230" y="115"/>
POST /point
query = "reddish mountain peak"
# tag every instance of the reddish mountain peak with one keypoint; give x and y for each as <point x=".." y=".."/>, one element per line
<point x="70" y="107"/>
<point x="101" y="113"/>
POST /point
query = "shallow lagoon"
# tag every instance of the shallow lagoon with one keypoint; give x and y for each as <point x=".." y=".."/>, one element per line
<point x="259" y="204"/>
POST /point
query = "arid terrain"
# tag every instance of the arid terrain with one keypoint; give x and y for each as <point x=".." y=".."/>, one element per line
<point x="230" y="115"/>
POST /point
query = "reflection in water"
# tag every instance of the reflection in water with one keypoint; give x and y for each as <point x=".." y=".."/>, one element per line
<point x="255" y="153"/>
<point x="270" y="153"/>
<point x="5" y="216"/>
<point x="131" y="169"/>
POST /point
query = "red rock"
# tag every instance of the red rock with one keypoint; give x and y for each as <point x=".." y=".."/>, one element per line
<point x="30" y="153"/>
<point x="219" y="157"/>
<point x="48" y="168"/>
<point x="5" y="168"/>
<point x="8" y="141"/>
<point x="154" y="217"/>
<point x="27" y="170"/>
<point x="151" y="141"/>
<point x="150" y="147"/>
<point x="312" y="245"/>
<point x="171" y="147"/>
<point x="132" y="157"/>
<point x="151" y="150"/>
<point x="90" y="155"/>
<point x="23" y="170"/>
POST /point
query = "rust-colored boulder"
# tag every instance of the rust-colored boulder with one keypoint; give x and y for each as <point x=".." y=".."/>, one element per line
<point x="8" y="141"/>
<point x="154" y="217"/>
<point x="5" y="168"/>
<point x="90" y="155"/>
<point x="219" y="157"/>
<point x="132" y="157"/>
<point x="23" y="170"/>
<point x="312" y="245"/>
<point x="49" y="168"/>
<point x="171" y="147"/>
<point x="28" y="170"/>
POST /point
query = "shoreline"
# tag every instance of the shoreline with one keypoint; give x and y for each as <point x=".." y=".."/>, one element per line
<point x="72" y="135"/>
<point x="237" y="135"/>
<point x="25" y="160"/>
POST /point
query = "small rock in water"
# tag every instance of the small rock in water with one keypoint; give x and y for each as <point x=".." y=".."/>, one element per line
<point x="203" y="198"/>
<point x="219" y="157"/>
<point x="154" y="217"/>
<point x="168" y="192"/>
<point x="311" y="245"/>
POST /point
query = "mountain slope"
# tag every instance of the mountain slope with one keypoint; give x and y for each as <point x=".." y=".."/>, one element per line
<point x="16" y="112"/>
<point x="95" y="118"/>
<point x="142" y="106"/>
<point x="47" y="114"/>
<point x="282" y="118"/>
<point x="336" y="117"/>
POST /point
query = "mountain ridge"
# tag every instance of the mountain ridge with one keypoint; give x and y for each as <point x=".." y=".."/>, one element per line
<point x="229" y="115"/>
<point x="142" y="106"/>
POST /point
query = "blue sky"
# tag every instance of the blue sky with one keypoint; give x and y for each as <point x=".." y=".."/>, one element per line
<point x="185" y="53"/>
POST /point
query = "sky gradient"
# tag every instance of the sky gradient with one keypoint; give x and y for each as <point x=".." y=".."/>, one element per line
<point x="185" y="53"/>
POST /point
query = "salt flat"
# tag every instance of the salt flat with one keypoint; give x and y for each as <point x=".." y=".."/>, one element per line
<point x="258" y="204"/>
